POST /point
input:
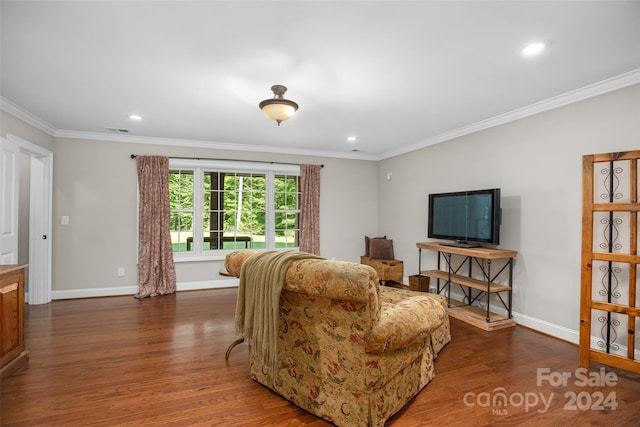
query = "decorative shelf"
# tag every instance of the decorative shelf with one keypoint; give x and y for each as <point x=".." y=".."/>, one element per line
<point x="465" y="281"/>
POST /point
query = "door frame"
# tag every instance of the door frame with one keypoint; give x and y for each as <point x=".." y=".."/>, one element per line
<point x="40" y="220"/>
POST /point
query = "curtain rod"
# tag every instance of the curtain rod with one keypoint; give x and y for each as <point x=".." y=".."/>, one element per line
<point x="133" y="156"/>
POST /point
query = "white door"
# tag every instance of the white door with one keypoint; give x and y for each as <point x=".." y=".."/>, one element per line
<point x="9" y="180"/>
<point x="39" y="229"/>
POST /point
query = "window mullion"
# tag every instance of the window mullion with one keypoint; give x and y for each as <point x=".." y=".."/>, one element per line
<point x="270" y="216"/>
<point x="198" y="210"/>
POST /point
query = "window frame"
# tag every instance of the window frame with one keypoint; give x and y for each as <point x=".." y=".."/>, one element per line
<point x="199" y="166"/>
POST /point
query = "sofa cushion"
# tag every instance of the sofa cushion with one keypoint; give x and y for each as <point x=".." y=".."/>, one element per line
<point x="405" y="321"/>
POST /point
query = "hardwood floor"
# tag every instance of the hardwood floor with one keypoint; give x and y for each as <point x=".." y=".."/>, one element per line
<point x="160" y="361"/>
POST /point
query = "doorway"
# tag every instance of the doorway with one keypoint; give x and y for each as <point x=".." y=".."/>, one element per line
<point x="28" y="188"/>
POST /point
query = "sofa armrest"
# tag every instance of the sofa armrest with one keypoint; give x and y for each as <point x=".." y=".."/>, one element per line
<point x="233" y="261"/>
<point x="403" y="323"/>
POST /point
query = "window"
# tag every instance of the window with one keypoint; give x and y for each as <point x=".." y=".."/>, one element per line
<point x="220" y="206"/>
<point x="287" y="210"/>
<point x="182" y="208"/>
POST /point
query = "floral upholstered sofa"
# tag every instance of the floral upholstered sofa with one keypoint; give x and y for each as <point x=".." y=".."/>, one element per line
<point x="349" y="350"/>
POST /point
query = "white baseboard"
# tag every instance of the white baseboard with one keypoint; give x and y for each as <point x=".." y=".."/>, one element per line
<point x="94" y="292"/>
<point x="208" y="284"/>
<point x="557" y="331"/>
<point x="132" y="290"/>
<point x="570" y="335"/>
<point x="540" y="325"/>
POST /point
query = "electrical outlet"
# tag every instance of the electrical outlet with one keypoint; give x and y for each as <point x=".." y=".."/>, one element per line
<point x="120" y="271"/>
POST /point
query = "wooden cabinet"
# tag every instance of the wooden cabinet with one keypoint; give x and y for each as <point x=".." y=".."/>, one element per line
<point x="477" y="285"/>
<point x="12" y="352"/>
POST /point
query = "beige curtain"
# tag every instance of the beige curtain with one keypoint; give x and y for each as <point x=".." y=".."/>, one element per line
<point x="310" y="209"/>
<point x="156" y="272"/>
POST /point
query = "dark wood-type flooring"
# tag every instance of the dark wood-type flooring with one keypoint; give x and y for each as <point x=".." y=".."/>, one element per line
<point x="160" y="361"/>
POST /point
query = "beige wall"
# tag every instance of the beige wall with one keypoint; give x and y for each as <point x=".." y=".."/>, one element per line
<point x="95" y="185"/>
<point x="10" y="125"/>
<point x="537" y="162"/>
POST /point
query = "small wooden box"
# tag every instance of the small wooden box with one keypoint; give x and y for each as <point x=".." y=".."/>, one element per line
<point x="415" y="282"/>
<point x="387" y="269"/>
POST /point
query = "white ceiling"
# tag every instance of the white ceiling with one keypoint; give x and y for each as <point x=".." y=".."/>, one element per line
<point x="398" y="75"/>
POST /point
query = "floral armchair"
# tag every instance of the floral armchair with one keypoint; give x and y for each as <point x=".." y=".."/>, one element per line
<point x="349" y="351"/>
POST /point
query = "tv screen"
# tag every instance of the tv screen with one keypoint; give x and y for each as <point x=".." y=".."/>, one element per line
<point x="467" y="217"/>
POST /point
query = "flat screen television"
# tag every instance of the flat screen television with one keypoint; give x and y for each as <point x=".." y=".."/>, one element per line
<point x="468" y="218"/>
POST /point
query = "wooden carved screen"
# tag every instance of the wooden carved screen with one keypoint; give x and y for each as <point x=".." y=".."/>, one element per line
<point x="609" y="313"/>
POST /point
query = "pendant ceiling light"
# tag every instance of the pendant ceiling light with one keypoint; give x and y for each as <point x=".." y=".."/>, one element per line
<point x="278" y="108"/>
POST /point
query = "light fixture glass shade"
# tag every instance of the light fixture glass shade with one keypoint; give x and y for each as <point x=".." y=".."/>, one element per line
<point x="278" y="108"/>
<point x="278" y="111"/>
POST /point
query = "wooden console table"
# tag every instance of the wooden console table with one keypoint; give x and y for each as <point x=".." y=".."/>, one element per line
<point x="484" y="287"/>
<point x="12" y="352"/>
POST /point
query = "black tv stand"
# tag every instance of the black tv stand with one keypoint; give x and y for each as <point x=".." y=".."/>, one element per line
<point x="461" y="244"/>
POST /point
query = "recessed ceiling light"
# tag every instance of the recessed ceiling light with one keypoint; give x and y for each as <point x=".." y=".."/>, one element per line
<point x="533" y="49"/>
<point x="135" y="117"/>
<point x="352" y="139"/>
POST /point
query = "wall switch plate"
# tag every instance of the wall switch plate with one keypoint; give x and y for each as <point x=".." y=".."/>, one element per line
<point x="64" y="220"/>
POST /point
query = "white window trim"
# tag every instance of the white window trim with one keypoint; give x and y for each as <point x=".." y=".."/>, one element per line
<point x="269" y="169"/>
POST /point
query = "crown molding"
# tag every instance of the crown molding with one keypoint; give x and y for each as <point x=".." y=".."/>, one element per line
<point x="26" y="116"/>
<point x="132" y="139"/>
<point x="600" y="88"/>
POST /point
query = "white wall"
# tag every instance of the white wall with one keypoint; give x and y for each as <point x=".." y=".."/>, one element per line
<point x="95" y="185"/>
<point x="537" y="162"/>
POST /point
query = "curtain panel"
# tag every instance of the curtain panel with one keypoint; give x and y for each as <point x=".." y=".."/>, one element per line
<point x="310" y="209"/>
<point x="156" y="271"/>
